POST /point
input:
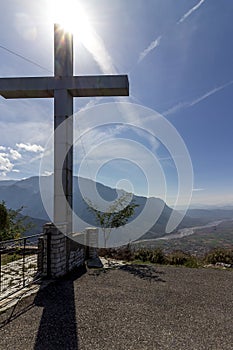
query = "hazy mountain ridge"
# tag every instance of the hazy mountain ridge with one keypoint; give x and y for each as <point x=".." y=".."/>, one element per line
<point x="7" y="182"/>
<point x="211" y="214"/>
<point x="27" y="193"/>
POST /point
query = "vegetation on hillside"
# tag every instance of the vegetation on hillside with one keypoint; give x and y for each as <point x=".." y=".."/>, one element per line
<point x="12" y="223"/>
<point x="177" y="257"/>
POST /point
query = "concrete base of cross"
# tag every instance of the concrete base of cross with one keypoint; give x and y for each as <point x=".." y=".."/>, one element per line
<point x="59" y="254"/>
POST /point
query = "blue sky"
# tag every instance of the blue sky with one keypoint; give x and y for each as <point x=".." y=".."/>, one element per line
<point x="178" y="56"/>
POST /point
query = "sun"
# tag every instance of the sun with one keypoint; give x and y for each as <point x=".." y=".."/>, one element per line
<point x="72" y="17"/>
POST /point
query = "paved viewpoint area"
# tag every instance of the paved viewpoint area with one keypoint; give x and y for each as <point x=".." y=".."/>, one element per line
<point x="134" y="307"/>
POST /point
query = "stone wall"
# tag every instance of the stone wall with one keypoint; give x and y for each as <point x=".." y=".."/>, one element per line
<point x="59" y="254"/>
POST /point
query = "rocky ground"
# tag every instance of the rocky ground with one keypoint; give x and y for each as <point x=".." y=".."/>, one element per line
<point x="129" y="307"/>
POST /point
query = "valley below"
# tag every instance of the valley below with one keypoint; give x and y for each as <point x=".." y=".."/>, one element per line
<point x="184" y="232"/>
<point x="197" y="240"/>
<point x="200" y="230"/>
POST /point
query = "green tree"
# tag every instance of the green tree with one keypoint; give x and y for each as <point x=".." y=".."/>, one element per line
<point x="115" y="216"/>
<point x="12" y="223"/>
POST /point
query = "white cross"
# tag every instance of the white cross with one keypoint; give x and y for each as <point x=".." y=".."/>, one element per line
<point x="63" y="87"/>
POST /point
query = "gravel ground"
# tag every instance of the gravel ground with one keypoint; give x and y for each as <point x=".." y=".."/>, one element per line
<point x="135" y="307"/>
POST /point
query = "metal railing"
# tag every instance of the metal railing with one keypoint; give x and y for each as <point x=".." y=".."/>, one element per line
<point x="18" y="264"/>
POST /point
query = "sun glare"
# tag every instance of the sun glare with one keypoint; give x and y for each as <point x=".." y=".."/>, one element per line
<point x="72" y="17"/>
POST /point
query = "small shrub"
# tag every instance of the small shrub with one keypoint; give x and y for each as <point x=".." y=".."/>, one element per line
<point x="155" y="256"/>
<point x="126" y="253"/>
<point x="158" y="256"/>
<point x="220" y="255"/>
<point x="122" y="253"/>
<point x="193" y="262"/>
<point x="180" y="258"/>
<point x="143" y="255"/>
<point x="176" y="258"/>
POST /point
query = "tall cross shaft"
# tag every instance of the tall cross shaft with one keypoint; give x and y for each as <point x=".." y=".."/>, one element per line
<point x="63" y="87"/>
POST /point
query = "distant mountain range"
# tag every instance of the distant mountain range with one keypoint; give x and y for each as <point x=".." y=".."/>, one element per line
<point x="27" y="193"/>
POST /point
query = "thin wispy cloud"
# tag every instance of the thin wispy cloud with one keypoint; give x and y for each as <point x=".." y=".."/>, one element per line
<point x="181" y="105"/>
<point x="189" y="13"/>
<point x="176" y="108"/>
<point x="37" y="157"/>
<point x="100" y="54"/>
<point x="91" y="103"/>
<point x="155" y="43"/>
<point x="95" y="137"/>
<point x="211" y="92"/>
<point x="96" y="46"/>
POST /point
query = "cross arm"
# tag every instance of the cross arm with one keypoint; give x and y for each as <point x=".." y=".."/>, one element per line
<point x="102" y="85"/>
<point x="27" y="87"/>
<point x="78" y="86"/>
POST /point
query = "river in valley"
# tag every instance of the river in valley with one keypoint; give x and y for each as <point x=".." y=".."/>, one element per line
<point x="184" y="232"/>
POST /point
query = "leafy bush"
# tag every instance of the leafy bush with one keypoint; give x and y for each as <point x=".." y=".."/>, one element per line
<point x="155" y="256"/>
<point x="220" y="255"/>
<point x="158" y="256"/>
<point x="180" y="258"/>
<point x="143" y="255"/>
<point x="123" y="253"/>
<point x="12" y="223"/>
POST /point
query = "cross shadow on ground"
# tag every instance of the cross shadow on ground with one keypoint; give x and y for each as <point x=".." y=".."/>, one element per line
<point x="146" y="272"/>
<point x="58" y="326"/>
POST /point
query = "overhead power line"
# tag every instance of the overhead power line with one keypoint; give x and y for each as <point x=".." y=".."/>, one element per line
<point x="24" y="58"/>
